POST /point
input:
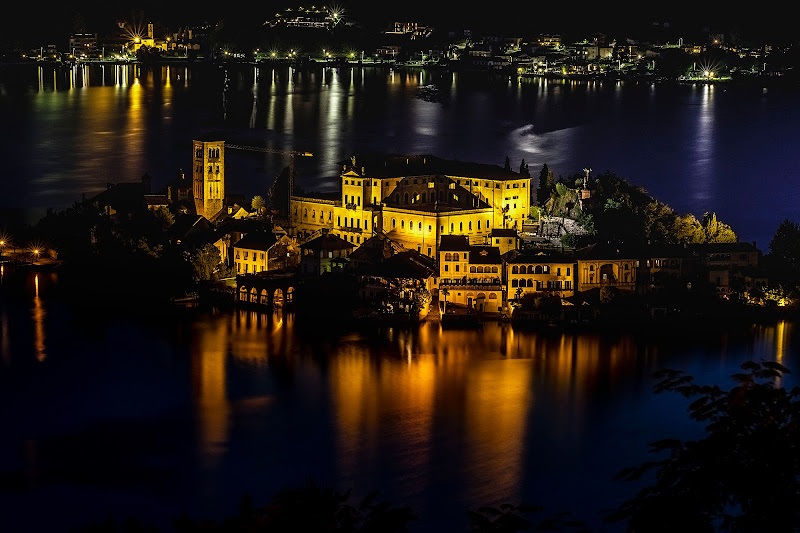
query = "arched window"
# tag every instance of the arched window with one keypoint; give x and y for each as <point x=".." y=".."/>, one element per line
<point x="494" y="270"/>
<point x="470" y="226"/>
<point x="514" y="283"/>
<point x="472" y="270"/>
<point x="523" y="269"/>
<point x="591" y="268"/>
<point x="402" y="224"/>
<point x="405" y="198"/>
<point x="448" y="256"/>
<point x="515" y="269"/>
<point x="420" y="225"/>
<point x="313" y="213"/>
<point x="305" y="212"/>
<point x="461" y="227"/>
<point x="452" y="227"/>
<point x="479" y="224"/>
<point x="394" y="223"/>
<point x="455" y="256"/>
<point x="627" y="266"/>
<point x="339" y="221"/>
<point x="546" y="269"/>
<point x="538" y="270"/>
<point x="441" y="196"/>
<point x="530" y="283"/>
<point x="480" y="270"/>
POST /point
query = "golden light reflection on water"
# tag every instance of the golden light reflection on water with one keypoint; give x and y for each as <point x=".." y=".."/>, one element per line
<point x="209" y="350"/>
<point x="774" y="342"/>
<point x="485" y="382"/>
<point x="39" y="315"/>
<point x="245" y="338"/>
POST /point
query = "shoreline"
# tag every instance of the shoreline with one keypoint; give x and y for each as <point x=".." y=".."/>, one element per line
<point x="312" y="64"/>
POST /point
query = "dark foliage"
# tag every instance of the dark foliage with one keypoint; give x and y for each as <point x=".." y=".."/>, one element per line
<point x="309" y="508"/>
<point x="509" y="519"/>
<point x="742" y="476"/>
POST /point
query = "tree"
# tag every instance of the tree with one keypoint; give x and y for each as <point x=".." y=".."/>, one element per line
<point x="164" y="217"/>
<point x="205" y="262"/>
<point x="523" y="168"/>
<point x="547" y="181"/>
<point x="784" y="253"/>
<point x="258" y="204"/>
<point x="742" y="476"/>
<point x="715" y="231"/>
<point x="507" y="164"/>
<point x="444" y="292"/>
<point x="687" y="229"/>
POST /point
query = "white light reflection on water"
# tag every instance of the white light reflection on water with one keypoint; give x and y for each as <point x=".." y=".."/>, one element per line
<point x="254" y="92"/>
<point x="703" y="147"/>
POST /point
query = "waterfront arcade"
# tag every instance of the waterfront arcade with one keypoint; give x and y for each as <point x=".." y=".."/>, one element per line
<point x="415" y="200"/>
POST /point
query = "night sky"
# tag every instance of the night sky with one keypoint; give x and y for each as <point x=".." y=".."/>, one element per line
<point x="626" y="19"/>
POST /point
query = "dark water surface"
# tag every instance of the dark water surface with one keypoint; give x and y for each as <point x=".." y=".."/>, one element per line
<point x="731" y="150"/>
<point x="152" y="414"/>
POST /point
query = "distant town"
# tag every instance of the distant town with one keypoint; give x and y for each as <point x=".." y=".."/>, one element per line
<point x="309" y="36"/>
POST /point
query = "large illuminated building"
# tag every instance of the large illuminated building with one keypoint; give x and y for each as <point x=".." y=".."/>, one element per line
<point x="415" y="200"/>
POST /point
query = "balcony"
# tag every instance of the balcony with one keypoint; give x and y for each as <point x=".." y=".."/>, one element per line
<point x="472" y="284"/>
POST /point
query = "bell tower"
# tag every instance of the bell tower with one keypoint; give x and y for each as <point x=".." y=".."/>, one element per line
<point x="208" y="177"/>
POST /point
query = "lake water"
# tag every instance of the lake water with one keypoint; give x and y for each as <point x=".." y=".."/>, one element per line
<point x="727" y="149"/>
<point x="157" y="413"/>
<point x="187" y="410"/>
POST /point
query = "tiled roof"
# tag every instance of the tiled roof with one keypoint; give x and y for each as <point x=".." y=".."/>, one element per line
<point x="256" y="240"/>
<point x="389" y="166"/>
<point x="454" y="243"/>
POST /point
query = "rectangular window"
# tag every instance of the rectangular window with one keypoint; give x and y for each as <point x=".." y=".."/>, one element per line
<point x="456" y="268"/>
<point x="567" y="271"/>
<point x="245" y="256"/>
<point x="446" y="268"/>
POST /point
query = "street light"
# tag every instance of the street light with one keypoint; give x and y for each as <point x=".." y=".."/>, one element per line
<point x="35" y="256"/>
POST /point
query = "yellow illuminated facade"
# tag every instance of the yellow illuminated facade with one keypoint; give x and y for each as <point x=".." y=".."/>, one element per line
<point x="596" y="273"/>
<point x="416" y="200"/>
<point x="537" y="273"/>
<point x="471" y="275"/>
